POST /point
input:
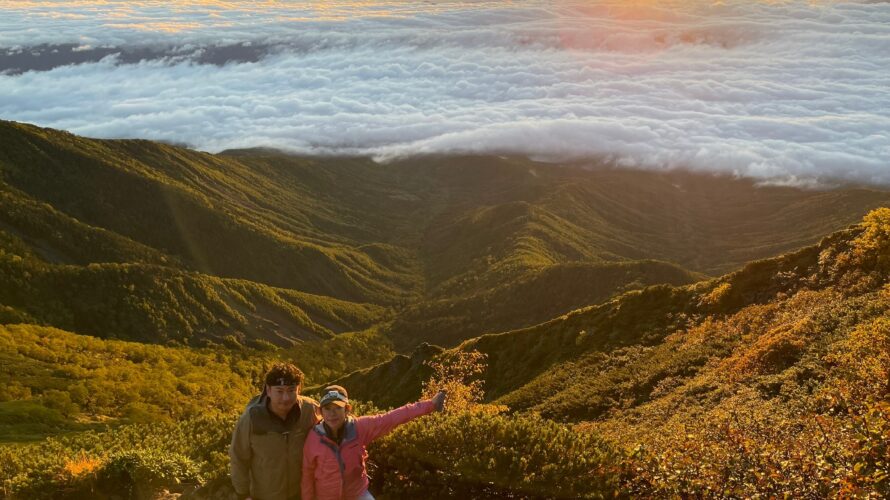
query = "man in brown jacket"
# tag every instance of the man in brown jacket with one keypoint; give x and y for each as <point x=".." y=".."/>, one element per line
<point x="267" y="445"/>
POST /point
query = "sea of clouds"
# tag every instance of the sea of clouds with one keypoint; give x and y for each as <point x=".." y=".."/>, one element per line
<point x="787" y="92"/>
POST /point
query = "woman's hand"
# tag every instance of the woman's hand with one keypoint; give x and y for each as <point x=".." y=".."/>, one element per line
<point x="439" y="400"/>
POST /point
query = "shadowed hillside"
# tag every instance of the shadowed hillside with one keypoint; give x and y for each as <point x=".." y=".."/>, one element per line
<point x="531" y="299"/>
<point x="214" y="213"/>
<point x="700" y="222"/>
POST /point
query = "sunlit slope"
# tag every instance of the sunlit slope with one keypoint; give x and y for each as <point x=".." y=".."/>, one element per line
<point x="55" y="380"/>
<point x="160" y="304"/>
<point x="772" y="329"/>
<point x="772" y="317"/>
<point x="774" y="333"/>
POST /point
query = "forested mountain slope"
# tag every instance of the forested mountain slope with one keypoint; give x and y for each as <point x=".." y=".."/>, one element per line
<point x="770" y="381"/>
<point x="433" y="249"/>
<point x="773" y="327"/>
<point x="617" y="363"/>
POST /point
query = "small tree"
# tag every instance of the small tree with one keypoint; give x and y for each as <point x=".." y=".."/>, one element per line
<point x="459" y="374"/>
<point x="871" y="249"/>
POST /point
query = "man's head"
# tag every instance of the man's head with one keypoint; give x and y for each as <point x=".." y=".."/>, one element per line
<point x="334" y="406"/>
<point x="283" y="383"/>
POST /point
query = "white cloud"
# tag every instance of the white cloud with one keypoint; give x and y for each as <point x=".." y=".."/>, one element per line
<point x="781" y="91"/>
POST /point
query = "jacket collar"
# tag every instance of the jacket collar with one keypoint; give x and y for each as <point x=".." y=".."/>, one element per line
<point x="351" y="432"/>
<point x="266" y="421"/>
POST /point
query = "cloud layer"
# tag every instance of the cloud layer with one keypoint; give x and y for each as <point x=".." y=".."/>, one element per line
<point x="780" y="91"/>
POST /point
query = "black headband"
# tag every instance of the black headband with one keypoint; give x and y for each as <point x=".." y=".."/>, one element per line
<point x="284" y="381"/>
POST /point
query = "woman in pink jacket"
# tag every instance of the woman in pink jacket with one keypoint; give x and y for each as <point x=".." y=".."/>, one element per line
<point x="335" y="450"/>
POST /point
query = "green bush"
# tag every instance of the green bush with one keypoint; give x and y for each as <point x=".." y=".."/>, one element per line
<point x="134" y="460"/>
<point x="24" y="420"/>
<point x="472" y="455"/>
<point x="18" y="412"/>
<point x="139" y="473"/>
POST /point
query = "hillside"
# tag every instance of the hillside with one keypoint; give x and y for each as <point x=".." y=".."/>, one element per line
<point x="771" y="381"/>
<point x="192" y="205"/>
<point x="530" y="299"/>
<point x="58" y="382"/>
<point x="586" y="289"/>
<point x="770" y="327"/>
<point x="256" y="245"/>
<point x="705" y="224"/>
<point x="771" y="323"/>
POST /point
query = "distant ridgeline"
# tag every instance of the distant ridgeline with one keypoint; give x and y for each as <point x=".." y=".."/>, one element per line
<point x="144" y="288"/>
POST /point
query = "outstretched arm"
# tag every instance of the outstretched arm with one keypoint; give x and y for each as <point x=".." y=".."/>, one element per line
<point x="379" y="425"/>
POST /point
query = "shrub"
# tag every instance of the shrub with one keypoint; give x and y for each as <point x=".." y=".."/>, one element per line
<point x="140" y="473"/>
<point x="17" y="412"/>
<point x="873" y="245"/>
<point x="458" y="373"/>
<point x="134" y="460"/>
<point x="78" y="476"/>
<point x="472" y="455"/>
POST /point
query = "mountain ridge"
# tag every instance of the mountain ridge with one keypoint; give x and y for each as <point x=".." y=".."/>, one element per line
<point x="582" y="296"/>
<point x="420" y="238"/>
<point x="636" y="321"/>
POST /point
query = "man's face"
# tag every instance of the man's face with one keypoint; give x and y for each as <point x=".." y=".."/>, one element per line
<point x="282" y="397"/>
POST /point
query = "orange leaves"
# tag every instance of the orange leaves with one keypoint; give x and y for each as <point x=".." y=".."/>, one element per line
<point x="875" y="239"/>
<point x="772" y="352"/>
<point x="458" y="373"/>
<point x="869" y="252"/>
<point x="80" y="466"/>
<point x="861" y="361"/>
<point x="757" y="454"/>
<point x="714" y="297"/>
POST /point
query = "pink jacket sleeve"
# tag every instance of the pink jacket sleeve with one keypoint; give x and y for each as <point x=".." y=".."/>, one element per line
<point x="372" y="427"/>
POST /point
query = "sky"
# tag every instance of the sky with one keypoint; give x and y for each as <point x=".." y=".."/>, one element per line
<point x="785" y="92"/>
